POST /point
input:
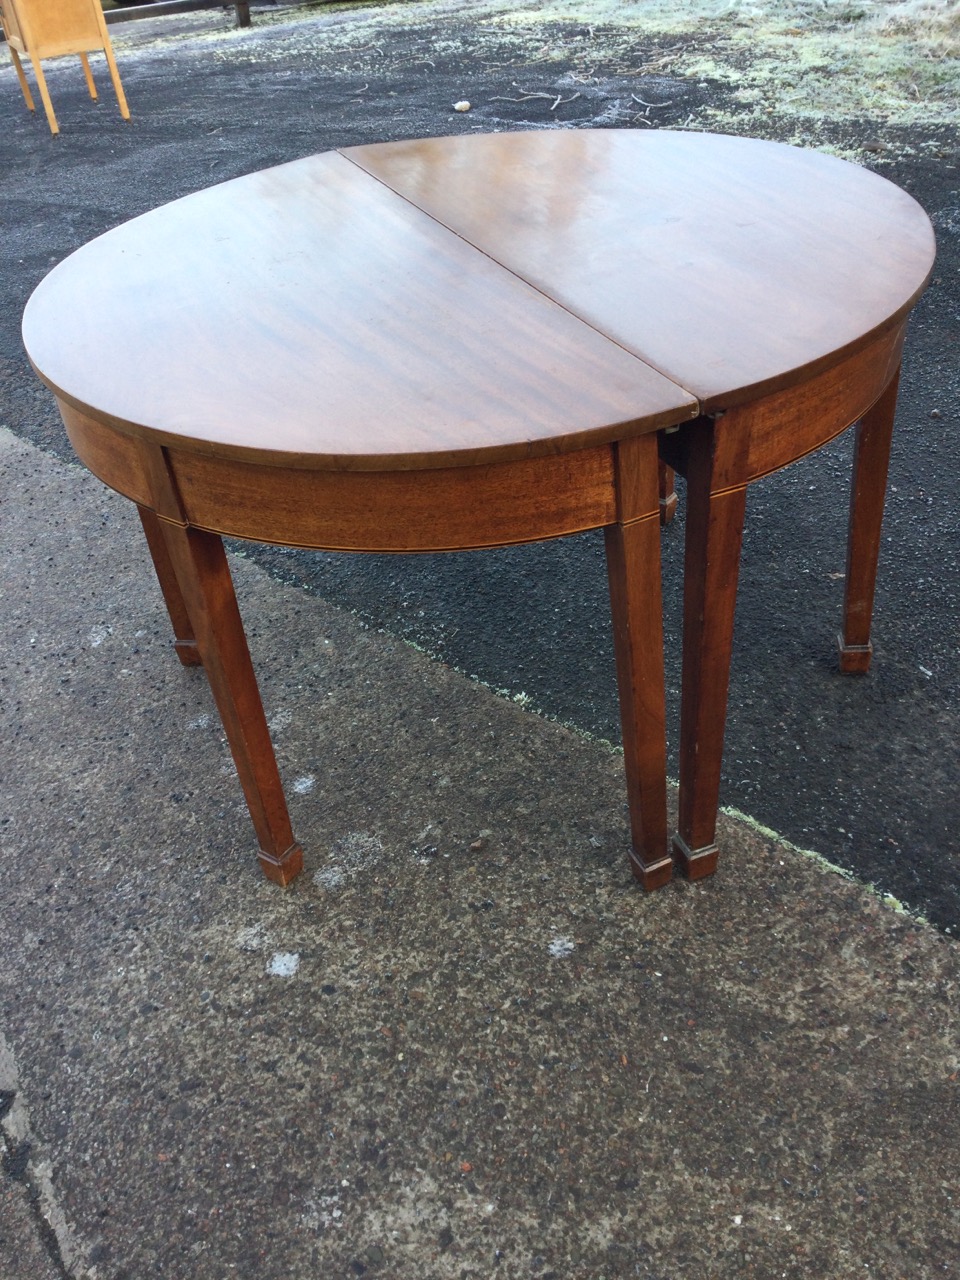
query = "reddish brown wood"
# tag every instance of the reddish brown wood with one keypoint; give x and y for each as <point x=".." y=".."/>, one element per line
<point x="787" y="425"/>
<point x="735" y="266"/>
<point x="714" y="529"/>
<point x="633" y="568"/>
<point x="870" y="462"/>
<point x="184" y="642"/>
<point x="117" y="459"/>
<point x="199" y="568"/>
<point x="468" y="342"/>
<point x="720" y="457"/>
<point x="204" y="576"/>
<point x="444" y="508"/>
<point x="369" y="337"/>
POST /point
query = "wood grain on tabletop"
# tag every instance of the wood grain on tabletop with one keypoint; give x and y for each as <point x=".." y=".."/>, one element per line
<point x="309" y="313"/>
<point x="733" y="265"/>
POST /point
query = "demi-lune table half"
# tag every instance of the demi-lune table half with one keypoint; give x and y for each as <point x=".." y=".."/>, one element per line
<point x="485" y="340"/>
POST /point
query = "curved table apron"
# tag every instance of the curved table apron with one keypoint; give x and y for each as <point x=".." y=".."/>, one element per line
<point x="480" y="341"/>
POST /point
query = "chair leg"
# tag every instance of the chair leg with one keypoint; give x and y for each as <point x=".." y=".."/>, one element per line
<point x="115" y="78"/>
<point x="714" y="533"/>
<point x="633" y="569"/>
<point x="91" y="87"/>
<point x="44" y="94"/>
<point x="18" y="67"/>
<point x="184" y="642"/>
<point x="200" y="566"/>
<point x="870" y="464"/>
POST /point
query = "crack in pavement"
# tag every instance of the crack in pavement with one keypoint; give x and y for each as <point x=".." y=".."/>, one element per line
<point x="19" y="1162"/>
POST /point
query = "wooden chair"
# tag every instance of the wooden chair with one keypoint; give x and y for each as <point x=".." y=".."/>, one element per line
<point x="51" y="28"/>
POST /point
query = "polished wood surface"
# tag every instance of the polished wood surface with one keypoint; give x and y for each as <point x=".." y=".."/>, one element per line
<point x="437" y="509"/>
<point x="633" y="568"/>
<point x="478" y="341"/>
<point x="720" y="456"/>
<point x="308" y="316"/>
<point x="184" y="641"/>
<point x="734" y="266"/>
<point x="203" y="574"/>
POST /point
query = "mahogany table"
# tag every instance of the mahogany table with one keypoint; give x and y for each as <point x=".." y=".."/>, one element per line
<point x="484" y="340"/>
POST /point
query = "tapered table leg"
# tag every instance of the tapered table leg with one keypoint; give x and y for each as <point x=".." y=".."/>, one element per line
<point x="200" y="567"/>
<point x="633" y="569"/>
<point x="868" y="490"/>
<point x="714" y="532"/>
<point x="184" y="642"/>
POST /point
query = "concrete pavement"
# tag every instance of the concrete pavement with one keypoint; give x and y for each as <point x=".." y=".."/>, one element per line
<point x="463" y="1044"/>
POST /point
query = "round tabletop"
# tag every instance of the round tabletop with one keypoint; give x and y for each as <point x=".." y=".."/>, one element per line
<point x="471" y="341"/>
<point x="479" y="298"/>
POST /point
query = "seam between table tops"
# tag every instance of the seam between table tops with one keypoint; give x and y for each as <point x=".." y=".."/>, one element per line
<point x="523" y="280"/>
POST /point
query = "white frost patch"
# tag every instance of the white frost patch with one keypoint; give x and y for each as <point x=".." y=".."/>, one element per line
<point x="561" y="946"/>
<point x="252" y="939"/>
<point x="329" y="877"/>
<point x="283" y="964"/>
<point x="279" y="720"/>
<point x="201" y="722"/>
<point x="351" y="854"/>
<point x="323" y="1213"/>
<point x="97" y="635"/>
<point x="303" y="786"/>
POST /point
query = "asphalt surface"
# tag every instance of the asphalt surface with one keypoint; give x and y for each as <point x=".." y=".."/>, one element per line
<point x="463" y="1044"/>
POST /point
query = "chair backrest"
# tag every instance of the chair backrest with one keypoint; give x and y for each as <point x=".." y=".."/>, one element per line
<point x="8" y="20"/>
<point x="47" y="28"/>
